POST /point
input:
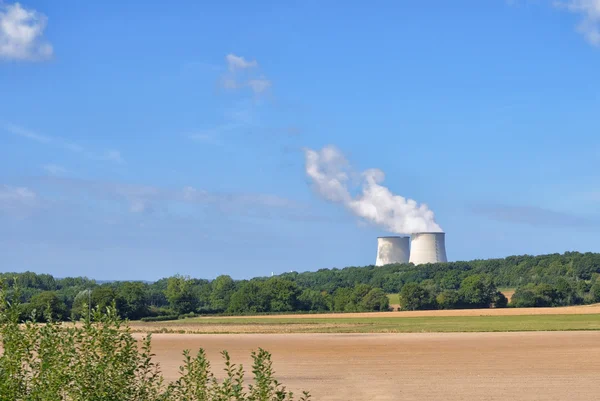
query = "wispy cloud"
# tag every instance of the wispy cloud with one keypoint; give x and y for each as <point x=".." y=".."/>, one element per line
<point x="235" y="119"/>
<point x="239" y="63"/>
<point x="250" y="110"/>
<point x="589" y="10"/>
<point x="25" y="133"/>
<point x="114" y="155"/>
<point x="109" y="155"/>
<point x="54" y="169"/>
<point x="22" y="34"/>
<point x="213" y="135"/>
<point x="148" y="198"/>
<point x="17" y="201"/>
<point x="259" y="85"/>
<point x="535" y="216"/>
<point x="206" y="136"/>
<point x="242" y="74"/>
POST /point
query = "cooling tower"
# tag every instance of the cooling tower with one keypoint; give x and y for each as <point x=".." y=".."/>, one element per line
<point x="428" y="248"/>
<point x="392" y="250"/>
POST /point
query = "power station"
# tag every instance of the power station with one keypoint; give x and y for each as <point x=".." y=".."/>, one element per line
<point x="425" y="247"/>
<point x="392" y="250"/>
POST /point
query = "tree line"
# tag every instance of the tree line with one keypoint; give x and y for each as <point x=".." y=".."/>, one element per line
<point x="548" y="280"/>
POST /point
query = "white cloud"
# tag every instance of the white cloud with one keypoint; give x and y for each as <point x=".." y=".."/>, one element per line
<point x="237" y="62"/>
<point x="589" y="26"/>
<point x="332" y="176"/>
<point x="241" y="75"/>
<point x="21" y="34"/>
<point x="54" y="169"/>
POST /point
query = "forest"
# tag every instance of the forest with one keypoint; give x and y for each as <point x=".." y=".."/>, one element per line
<point x="547" y="280"/>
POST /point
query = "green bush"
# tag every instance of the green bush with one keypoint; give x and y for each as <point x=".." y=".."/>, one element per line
<point x="100" y="360"/>
<point x="187" y="315"/>
<point x="159" y="318"/>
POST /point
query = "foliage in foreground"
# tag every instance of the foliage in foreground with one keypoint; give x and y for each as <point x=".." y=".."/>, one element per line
<point x="99" y="360"/>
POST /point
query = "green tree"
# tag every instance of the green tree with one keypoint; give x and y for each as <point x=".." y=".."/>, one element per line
<point x="448" y="299"/>
<point x="250" y="297"/>
<point x="181" y="295"/>
<point x="375" y="300"/>
<point x="566" y="293"/>
<point x="135" y="300"/>
<point x="415" y="297"/>
<point x="282" y="295"/>
<point x="48" y="306"/>
<point x="81" y="304"/>
<point x="342" y="300"/>
<point x="524" y="298"/>
<point x="451" y="280"/>
<point x="477" y="291"/>
<point x="104" y="296"/>
<point x="311" y="300"/>
<point x="500" y="301"/>
<point x="222" y="289"/>
<point x="595" y="292"/>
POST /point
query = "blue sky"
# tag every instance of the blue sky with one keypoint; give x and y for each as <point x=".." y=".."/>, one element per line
<point x="143" y="139"/>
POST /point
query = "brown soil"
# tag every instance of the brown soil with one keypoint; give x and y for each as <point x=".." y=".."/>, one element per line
<point x="432" y="366"/>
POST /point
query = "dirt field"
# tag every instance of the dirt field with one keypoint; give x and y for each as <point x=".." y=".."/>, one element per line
<point x="434" y="366"/>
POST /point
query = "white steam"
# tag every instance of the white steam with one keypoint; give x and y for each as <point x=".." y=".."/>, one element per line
<point x="331" y="175"/>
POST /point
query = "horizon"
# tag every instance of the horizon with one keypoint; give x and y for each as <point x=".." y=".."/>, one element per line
<point x="104" y="281"/>
<point x="143" y="142"/>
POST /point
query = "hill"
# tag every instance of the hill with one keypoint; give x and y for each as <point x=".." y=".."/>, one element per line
<point x="547" y="280"/>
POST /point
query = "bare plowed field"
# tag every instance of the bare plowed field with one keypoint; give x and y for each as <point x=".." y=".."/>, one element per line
<point x="431" y="366"/>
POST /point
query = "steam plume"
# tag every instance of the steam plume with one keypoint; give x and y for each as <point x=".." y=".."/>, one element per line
<point x="332" y="176"/>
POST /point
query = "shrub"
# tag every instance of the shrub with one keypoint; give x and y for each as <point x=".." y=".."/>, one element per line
<point x="187" y="315"/>
<point x="159" y="318"/>
<point x="100" y="361"/>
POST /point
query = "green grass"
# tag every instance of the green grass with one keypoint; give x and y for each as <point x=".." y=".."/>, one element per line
<point x="394" y="299"/>
<point x="441" y="324"/>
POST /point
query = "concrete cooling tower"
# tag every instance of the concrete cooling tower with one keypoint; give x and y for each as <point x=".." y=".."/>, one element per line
<point x="428" y="248"/>
<point x="392" y="250"/>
